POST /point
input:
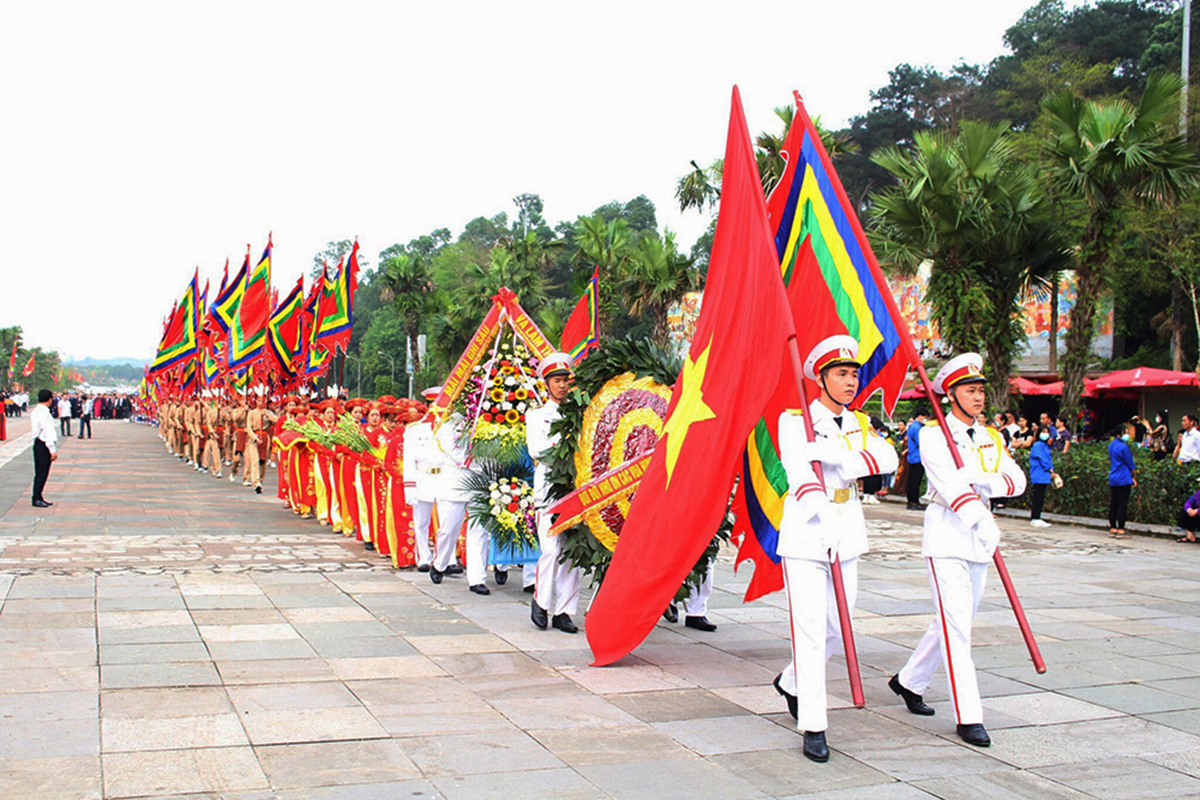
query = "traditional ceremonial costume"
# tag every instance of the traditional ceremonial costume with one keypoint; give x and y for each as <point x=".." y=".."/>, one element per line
<point x="960" y="536"/>
<point x="819" y="525"/>
<point x="556" y="582"/>
<point x="401" y="542"/>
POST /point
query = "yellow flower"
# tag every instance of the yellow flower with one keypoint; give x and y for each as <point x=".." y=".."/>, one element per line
<point x="512" y="416"/>
<point x="497" y="395"/>
<point x="522" y="394"/>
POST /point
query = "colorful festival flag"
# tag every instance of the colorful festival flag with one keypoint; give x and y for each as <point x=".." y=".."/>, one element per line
<point x="284" y="331"/>
<point x="243" y="344"/>
<point x="834" y="286"/>
<point x="179" y="340"/>
<point x="29" y="365"/>
<point x="335" y="316"/>
<point x="12" y="360"/>
<point x="314" y="358"/>
<point x="732" y="368"/>
<point x="581" y="334"/>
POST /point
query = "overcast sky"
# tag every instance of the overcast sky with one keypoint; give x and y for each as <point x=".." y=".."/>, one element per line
<point x="141" y="140"/>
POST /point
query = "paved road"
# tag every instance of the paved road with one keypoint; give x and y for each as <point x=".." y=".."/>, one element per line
<point x="164" y="634"/>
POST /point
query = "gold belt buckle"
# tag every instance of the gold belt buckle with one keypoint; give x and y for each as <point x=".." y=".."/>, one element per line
<point x="435" y="471"/>
<point x="841" y="495"/>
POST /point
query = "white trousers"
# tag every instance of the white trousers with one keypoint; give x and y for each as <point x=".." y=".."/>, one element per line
<point x="452" y="515"/>
<point x="478" y="541"/>
<point x="422" y="518"/>
<point x="957" y="587"/>
<point x="697" y="603"/>
<point x="816" y="633"/>
<point x="554" y="579"/>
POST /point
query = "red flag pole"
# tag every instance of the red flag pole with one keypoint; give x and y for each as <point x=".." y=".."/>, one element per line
<point x="835" y="563"/>
<point x="1035" y="653"/>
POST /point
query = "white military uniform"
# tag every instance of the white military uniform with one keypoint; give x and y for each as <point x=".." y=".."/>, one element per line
<point x="815" y="525"/>
<point x="550" y="573"/>
<point x="423" y="463"/>
<point x="960" y="537"/>
<point x="451" y="494"/>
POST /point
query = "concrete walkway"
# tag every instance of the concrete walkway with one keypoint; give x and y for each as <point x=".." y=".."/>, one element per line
<point x="166" y="634"/>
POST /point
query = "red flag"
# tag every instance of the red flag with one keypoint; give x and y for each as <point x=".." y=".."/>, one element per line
<point x="29" y="365"/>
<point x="12" y="360"/>
<point x="730" y="374"/>
<point x="581" y="333"/>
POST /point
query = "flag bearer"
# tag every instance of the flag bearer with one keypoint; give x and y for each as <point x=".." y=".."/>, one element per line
<point x="959" y="539"/>
<point x="819" y="525"/>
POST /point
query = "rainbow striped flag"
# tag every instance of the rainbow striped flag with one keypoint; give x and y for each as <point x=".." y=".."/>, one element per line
<point x="834" y="286"/>
<point x="581" y="333"/>
<point x="335" y="309"/>
<point x="179" y="339"/>
<point x="284" y="332"/>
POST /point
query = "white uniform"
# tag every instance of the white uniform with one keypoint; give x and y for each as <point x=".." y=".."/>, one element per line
<point x="451" y="495"/>
<point x="815" y="525"/>
<point x="423" y="463"/>
<point x="959" y="539"/>
<point x="550" y="573"/>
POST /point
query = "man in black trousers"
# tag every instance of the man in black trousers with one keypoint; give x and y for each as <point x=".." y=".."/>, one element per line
<point x="45" y="445"/>
<point x="85" y="416"/>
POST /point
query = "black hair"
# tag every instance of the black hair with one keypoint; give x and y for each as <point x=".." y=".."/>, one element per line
<point x="44" y="395"/>
<point x="1121" y="429"/>
<point x="921" y="411"/>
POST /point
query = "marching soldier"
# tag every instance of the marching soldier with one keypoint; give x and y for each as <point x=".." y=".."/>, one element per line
<point x="422" y="471"/>
<point x="553" y="577"/>
<point x="452" y="498"/>
<point x="258" y="425"/>
<point x="212" y="440"/>
<point x="820" y="525"/>
<point x="237" y="421"/>
<point x="960" y="536"/>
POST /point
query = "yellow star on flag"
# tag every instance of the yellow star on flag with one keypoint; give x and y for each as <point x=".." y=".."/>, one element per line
<point x="689" y="410"/>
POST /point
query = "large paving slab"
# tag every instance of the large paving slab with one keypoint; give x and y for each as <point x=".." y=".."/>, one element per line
<point x="164" y="634"/>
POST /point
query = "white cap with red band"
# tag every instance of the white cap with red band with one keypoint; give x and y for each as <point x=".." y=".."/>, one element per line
<point x="836" y="350"/>
<point x="966" y="368"/>
<point x="432" y="392"/>
<point x="554" y="364"/>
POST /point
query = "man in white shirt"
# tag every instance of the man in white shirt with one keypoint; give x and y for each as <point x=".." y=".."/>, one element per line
<point x="64" y="416"/>
<point x="45" y="445"/>
<point x="1188" y="448"/>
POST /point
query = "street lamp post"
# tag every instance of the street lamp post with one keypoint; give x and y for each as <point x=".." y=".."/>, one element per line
<point x="393" y="360"/>
<point x="358" y="380"/>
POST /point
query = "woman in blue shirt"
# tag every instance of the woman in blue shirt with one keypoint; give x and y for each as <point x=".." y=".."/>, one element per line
<point x="1041" y="472"/>
<point x="1121" y="479"/>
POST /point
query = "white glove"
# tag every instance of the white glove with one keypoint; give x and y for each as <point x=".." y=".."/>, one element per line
<point x="987" y="533"/>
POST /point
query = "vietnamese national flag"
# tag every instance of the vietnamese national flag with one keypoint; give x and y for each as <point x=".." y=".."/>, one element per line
<point x="29" y="365"/>
<point x="731" y="372"/>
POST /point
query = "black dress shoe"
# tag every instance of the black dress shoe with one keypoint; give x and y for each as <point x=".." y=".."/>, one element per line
<point x="538" y="615"/>
<point x="369" y="547"/>
<point x="258" y="490"/>
<point x="501" y="576"/>
<point x="479" y="588"/>
<point x="671" y="615"/>
<point x="915" y="702"/>
<point x="41" y="504"/>
<point x="454" y="569"/>
<point x="974" y="734"/>
<point x="423" y="568"/>
<point x="915" y="507"/>
<point x="435" y="575"/>
<point x="529" y="589"/>
<point x="815" y="748"/>
<point x="700" y="623"/>
<point x="563" y="623"/>
<point x="792" y="703"/>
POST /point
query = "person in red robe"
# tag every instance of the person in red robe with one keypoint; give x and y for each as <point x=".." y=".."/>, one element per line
<point x="372" y="477"/>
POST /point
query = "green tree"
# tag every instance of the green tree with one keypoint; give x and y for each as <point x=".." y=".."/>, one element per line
<point x="1111" y="156"/>
<point x="655" y="276"/>
<point x="406" y="283"/>
<point x="332" y="254"/>
<point x="963" y="204"/>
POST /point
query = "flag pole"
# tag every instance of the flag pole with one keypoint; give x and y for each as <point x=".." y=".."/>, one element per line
<point x="835" y="563"/>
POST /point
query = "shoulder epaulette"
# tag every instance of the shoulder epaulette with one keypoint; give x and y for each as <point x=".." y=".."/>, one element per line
<point x="796" y="412"/>
<point x="931" y="423"/>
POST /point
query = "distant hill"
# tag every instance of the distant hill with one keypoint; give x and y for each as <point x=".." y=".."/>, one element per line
<point x="108" y="362"/>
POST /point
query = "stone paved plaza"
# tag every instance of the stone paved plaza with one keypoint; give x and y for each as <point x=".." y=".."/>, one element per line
<point x="166" y="634"/>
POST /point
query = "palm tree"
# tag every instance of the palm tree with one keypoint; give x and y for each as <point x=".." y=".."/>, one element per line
<point x="1110" y="155"/>
<point x="406" y="283"/>
<point x="656" y="276"/>
<point x="964" y="205"/>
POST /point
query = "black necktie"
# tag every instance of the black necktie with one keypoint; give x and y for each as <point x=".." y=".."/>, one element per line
<point x="838" y="420"/>
<point x="971" y="433"/>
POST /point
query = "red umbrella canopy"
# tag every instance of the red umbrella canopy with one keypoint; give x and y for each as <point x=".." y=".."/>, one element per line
<point x="1142" y="377"/>
<point x="1028" y="387"/>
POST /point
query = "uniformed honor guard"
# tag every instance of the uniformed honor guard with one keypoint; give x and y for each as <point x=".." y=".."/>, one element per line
<point x="960" y="537"/>
<point x="822" y="524"/>
<point x="422" y="471"/>
<point x="554" y="578"/>
<point x="452" y="441"/>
